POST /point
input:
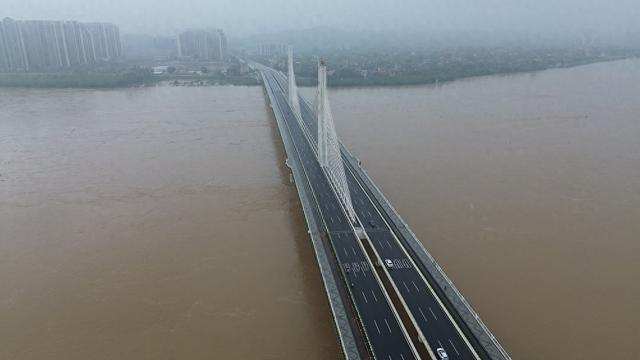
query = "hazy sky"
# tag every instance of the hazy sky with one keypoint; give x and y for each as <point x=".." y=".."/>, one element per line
<point x="244" y="17"/>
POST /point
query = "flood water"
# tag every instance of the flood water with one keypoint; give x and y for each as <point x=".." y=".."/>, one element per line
<point x="152" y="223"/>
<point x="159" y="223"/>
<point x="526" y="188"/>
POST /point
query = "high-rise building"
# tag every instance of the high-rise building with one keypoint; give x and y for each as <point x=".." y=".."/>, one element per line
<point x="203" y="45"/>
<point x="44" y="45"/>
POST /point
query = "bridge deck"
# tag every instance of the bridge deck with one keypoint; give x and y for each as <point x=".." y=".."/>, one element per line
<point x="439" y="312"/>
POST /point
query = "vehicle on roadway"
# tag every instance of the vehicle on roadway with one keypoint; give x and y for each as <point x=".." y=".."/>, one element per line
<point x="389" y="263"/>
<point x="442" y="355"/>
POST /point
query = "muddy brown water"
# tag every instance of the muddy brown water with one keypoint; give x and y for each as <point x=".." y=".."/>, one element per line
<point x="159" y="223"/>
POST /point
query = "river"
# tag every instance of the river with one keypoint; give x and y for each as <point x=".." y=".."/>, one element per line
<point x="160" y="222"/>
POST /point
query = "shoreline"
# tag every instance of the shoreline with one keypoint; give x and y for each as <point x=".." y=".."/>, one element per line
<point x="122" y="81"/>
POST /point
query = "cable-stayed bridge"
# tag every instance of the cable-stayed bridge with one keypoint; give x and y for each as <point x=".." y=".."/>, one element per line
<point x="389" y="298"/>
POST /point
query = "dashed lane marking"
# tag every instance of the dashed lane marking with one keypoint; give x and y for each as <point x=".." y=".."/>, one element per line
<point x="454" y="347"/>
<point x="388" y="327"/>
<point x="434" y="315"/>
<point x="377" y="328"/>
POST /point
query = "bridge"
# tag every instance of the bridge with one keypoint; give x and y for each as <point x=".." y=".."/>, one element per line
<point x="388" y="296"/>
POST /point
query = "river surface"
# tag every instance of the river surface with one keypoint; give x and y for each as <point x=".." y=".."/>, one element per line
<point x="159" y="223"/>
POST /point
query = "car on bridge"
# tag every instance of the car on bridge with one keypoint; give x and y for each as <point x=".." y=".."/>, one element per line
<point x="442" y="355"/>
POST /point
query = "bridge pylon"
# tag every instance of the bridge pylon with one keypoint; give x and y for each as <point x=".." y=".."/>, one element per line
<point x="294" y="101"/>
<point x="329" y="154"/>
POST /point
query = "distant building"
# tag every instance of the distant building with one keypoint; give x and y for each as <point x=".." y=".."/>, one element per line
<point x="202" y="45"/>
<point x="160" y="70"/>
<point x="268" y="50"/>
<point x="139" y="47"/>
<point x="42" y="45"/>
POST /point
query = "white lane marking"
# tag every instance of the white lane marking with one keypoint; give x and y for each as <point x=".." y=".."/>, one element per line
<point x="402" y="356"/>
<point x="415" y="286"/>
<point x="377" y="328"/>
<point x="332" y="219"/>
<point x="454" y="347"/>
<point x="421" y="313"/>
<point x="390" y="358"/>
<point x="374" y="296"/>
<point x="406" y="287"/>
<point x="369" y="213"/>
<point x="353" y="251"/>
<point x="388" y="327"/>
<point x="434" y="315"/>
<point x="365" y="297"/>
<point x="345" y="252"/>
<point x="388" y="243"/>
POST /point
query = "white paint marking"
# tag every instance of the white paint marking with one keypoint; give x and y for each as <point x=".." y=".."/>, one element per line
<point x="454" y="347"/>
<point x="365" y="297"/>
<point x="353" y="251"/>
<point x="415" y="286"/>
<point x="377" y="328"/>
<point x="434" y="315"/>
<point x="406" y="287"/>
<point x="421" y="313"/>
<point x="388" y="327"/>
<point x="374" y="296"/>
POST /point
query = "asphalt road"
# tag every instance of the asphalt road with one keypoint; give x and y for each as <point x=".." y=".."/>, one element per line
<point x="381" y="325"/>
<point x="438" y="327"/>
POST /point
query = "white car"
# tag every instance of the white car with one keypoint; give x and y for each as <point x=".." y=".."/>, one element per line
<point x="389" y="263"/>
<point x="442" y="354"/>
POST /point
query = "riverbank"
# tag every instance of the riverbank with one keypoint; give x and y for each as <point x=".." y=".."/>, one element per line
<point x="138" y="76"/>
<point x="117" y="79"/>
<point x="451" y="73"/>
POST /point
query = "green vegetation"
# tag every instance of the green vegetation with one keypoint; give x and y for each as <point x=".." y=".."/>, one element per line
<point x="79" y="78"/>
<point x="377" y="68"/>
<point x="114" y="77"/>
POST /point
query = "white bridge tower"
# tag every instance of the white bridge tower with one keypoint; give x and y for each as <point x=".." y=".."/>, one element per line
<point x="294" y="102"/>
<point x="328" y="145"/>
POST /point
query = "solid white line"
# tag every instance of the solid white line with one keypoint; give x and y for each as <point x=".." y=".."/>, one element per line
<point x="406" y="287"/>
<point x="365" y="297"/>
<point x="374" y="295"/>
<point x="434" y="315"/>
<point x="415" y="286"/>
<point x="377" y="328"/>
<point x="388" y="327"/>
<point x="454" y="347"/>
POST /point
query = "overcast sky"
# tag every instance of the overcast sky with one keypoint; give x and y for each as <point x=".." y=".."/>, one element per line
<point x="245" y="17"/>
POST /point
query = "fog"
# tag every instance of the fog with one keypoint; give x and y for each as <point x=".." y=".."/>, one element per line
<point x="248" y="17"/>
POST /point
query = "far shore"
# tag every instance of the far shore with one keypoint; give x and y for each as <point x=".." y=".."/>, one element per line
<point x="140" y="78"/>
